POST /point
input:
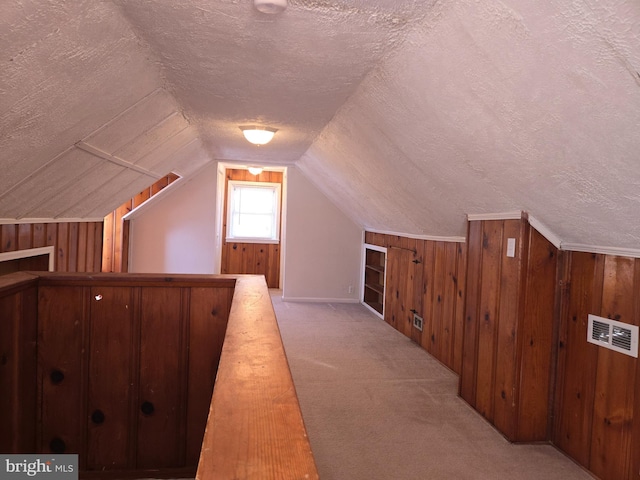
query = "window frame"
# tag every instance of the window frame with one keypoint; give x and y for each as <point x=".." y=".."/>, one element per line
<point x="277" y="188"/>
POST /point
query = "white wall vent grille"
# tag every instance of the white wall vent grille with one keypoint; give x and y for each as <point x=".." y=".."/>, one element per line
<point x="614" y="335"/>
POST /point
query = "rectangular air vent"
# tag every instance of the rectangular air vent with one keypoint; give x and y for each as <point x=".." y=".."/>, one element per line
<point x="614" y="335"/>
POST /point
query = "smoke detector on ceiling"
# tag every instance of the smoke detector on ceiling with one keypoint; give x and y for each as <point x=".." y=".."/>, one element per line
<point x="270" y="6"/>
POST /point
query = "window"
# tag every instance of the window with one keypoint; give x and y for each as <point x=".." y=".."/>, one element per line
<point x="253" y="212"/>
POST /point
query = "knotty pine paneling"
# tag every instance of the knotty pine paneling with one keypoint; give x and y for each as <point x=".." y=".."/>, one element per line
<point x="78" y="245"/>
<point x="597" y="391"/>
<point x="469" y="366"/>
<point x="252" y="258"/>
<point x="18" y="367"/>
<point x="537" y="338"/>
<point x="427" y="277"/>
<point x="508" y="330"/>
<point x="577" y="359"/>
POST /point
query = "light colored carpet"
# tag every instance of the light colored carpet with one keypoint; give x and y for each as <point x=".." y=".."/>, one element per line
<point x="378" y="407"/>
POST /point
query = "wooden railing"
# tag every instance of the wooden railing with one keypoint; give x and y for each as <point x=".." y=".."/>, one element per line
<point x="254" y="428"/>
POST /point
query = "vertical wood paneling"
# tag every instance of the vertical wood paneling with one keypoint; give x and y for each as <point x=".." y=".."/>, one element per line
<point x="447" y="337"/>
<point x="472" y="314"/>
<point x="487" y="327"/>
<point x="437" y="322"/>
<point x="460" y="280"/>
<point x="18" y="363"/>
<point x="209" y="313"/>
<point x="111" y="377"/>
<point x="577" y="358"/>
<point x="81" y="262"/>
<point x="407" y="273"/>
<point x="62" y="364"/>
<point x="634" y="462"/>
<point x="427" y="277"/>
<point x="537" y="339"/>
<point x="160" y="382"/>
<point x="39" y="234"/>
<point x="8" y="238"/>
<point x="428" y="282"/>
<point x="108" y="243"/>
<point x="74" y="243"/>
<point x="62" y="254"/>
<point x="25" y="237"/>
<point x="418" y="279"/>
<point x="504" y="395"/>
<point x="615" y="374"/>
<point x="392" y="289"/>
<point x="507" y="345"/>
<point x="72" y="255"/>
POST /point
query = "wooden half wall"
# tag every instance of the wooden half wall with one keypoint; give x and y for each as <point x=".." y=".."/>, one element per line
<point x="598" y="390"/>
<point x="507" y="355"/>
<point x="527" y="366"/>
<point x="425" y="277"/>
<point x="80" y="372"/>
<point x="515" y="329"/>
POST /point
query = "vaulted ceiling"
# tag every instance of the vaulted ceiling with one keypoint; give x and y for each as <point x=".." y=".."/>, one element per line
<point x="409" y="114"/>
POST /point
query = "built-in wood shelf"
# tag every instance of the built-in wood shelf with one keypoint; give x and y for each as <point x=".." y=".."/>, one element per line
<point x="375" y="259"/>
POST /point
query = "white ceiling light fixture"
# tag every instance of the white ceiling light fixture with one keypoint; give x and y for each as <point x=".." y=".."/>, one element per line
<point x="258" y="135"/>
<point x="255" y="170"/>
<point x="270" y="6"/>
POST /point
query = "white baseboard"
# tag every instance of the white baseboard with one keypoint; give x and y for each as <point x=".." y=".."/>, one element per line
<point x="319" y="300"/>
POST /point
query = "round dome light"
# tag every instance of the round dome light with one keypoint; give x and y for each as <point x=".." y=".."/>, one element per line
<point x="270" y="6"/>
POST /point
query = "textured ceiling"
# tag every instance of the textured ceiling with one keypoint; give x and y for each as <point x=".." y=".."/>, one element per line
<point x="409" y="114"/>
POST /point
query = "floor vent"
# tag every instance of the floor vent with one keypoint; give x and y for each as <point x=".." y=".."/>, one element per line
<point x="614" y="335"/>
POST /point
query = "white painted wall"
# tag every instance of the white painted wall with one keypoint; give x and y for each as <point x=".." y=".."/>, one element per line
<point x="323" y="250"/>
<point x="176" y="232"/>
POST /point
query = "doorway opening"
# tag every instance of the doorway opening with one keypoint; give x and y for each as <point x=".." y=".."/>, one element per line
<point x="251" y="213"/>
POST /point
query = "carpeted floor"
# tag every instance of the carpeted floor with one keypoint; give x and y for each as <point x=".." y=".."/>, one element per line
<point x="378" y="407"/>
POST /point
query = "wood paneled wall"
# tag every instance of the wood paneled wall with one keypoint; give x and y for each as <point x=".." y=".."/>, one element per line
<point x="598" y="390"/>
<point x="115" y="252"/>
<point x="80" y="371"/>
<point x="78" y="245"/>
<point x="508" y="330"/>
<point x="426" y="277"/>
<point x="252" y="258"/>
<point x="18" y="363"/>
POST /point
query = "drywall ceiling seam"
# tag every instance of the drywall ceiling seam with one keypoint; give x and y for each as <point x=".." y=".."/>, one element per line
<point x="147" y="130"/>
<point x="122" y="113"/>
<point x="38" y="170"/>
<point x="165" y="141"/>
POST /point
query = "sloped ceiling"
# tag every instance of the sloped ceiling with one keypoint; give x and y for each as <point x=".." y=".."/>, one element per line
<point x="409" y="114"/>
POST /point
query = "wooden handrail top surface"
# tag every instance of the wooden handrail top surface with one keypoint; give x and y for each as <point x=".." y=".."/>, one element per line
<point x="255" y="428"/>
